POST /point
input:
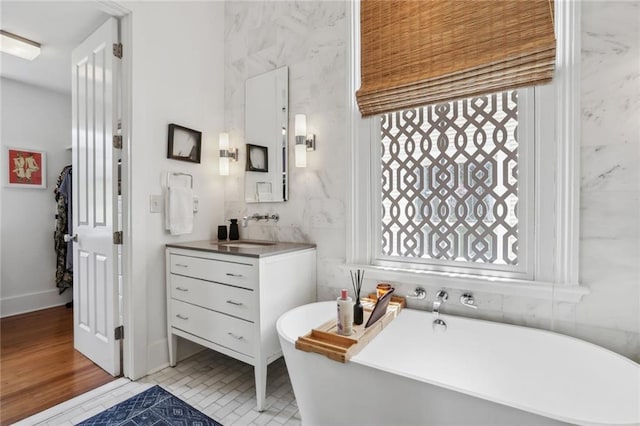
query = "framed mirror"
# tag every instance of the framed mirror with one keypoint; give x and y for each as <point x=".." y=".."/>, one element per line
<point x="266" y="133"/>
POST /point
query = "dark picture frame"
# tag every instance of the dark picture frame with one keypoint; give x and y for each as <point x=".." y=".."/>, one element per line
<point x="184" y="144"/>
<point x="257" y="158"/>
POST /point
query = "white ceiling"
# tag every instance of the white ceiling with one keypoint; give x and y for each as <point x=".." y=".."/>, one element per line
<point x="58" y="26"/>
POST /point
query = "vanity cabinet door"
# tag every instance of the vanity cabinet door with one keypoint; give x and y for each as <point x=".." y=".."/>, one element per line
<point x="235" y="301"/>
<point x="234" y="273"/>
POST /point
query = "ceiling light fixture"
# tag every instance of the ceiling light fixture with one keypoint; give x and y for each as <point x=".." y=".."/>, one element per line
<point x="18" y="46"/>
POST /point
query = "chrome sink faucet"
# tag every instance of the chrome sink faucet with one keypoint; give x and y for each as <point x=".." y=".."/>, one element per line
<point x="267" y="217"/>
<point x="441" y="297"/>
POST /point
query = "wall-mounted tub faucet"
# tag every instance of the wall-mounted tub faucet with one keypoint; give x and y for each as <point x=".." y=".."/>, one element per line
<point x="438" y="324"/>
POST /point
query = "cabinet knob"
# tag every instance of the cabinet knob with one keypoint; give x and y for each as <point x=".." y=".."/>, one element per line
<point x="229" y="274"/>
<point x="231" y="302"/>
<point x="182" y="289"/>
<point x="182" y="265"/>
<point x="182" y="317"/>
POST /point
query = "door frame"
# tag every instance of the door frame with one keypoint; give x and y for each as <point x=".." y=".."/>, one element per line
<point x="134" y="320"/>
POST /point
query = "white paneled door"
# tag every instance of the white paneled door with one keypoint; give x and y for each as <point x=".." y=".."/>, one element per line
<point x="95" y="289"/>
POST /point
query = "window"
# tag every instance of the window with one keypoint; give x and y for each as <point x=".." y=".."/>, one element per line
<point x="451" y="194"/>
<point x="450" y="185"/>
<point x="449" y="182"/>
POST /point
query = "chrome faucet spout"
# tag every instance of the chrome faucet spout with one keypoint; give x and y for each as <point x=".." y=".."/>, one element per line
<point x="436" y="308"/>
<point x="441" y="297"/>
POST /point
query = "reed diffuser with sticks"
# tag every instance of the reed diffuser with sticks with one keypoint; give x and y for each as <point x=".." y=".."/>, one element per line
<point x="356" y="281"/>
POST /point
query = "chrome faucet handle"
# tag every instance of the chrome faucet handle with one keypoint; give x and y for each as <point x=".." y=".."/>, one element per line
<point x="467" y="300"/>
<point x="442" y="296"/>
<point x="419" y="294"/>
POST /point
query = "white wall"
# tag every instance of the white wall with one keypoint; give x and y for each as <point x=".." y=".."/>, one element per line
<point x="37" y="118"/>
<point x="177" y="77"/>
<point x="310" y="37"/>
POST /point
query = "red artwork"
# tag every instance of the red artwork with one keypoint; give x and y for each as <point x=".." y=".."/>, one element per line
<point x="25" y="167"/>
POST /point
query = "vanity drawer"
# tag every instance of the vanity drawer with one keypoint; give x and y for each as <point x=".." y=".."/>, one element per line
<point x="218" y="328"/>
<point x="235" y="301"/>
<point x="222" y="271"/>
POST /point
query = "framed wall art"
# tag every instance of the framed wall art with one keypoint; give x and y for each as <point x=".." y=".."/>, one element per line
<point x="184" y="144"/>
<point x="257" y="158"/>
<point x="26" y="168"/>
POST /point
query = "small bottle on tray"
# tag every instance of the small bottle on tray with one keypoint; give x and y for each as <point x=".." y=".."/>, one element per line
<point x="345" y="314"/>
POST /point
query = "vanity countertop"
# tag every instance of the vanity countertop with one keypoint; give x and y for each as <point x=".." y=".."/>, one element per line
<point x="254" y="248"/>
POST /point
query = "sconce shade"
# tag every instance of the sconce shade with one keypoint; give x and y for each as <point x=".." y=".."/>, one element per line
<point x="224" y="141"/>
<point x="224" y="166"/>
<point x="301" y="155"/>
<point x="304" y="142"/>
<point x="300" y="125"/>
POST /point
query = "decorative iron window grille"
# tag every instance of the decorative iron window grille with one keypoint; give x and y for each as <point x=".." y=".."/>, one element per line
<point x="449" y="185"/>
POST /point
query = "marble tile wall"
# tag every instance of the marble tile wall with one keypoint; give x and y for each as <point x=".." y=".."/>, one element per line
<point x="310" y="37"/>
<point x="610" y="184"/>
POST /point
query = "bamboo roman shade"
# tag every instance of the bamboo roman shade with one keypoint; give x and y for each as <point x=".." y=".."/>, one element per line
<point x="420" y="52"/>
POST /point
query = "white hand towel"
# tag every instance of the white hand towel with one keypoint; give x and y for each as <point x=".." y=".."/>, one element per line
<point x="180" y="211"/>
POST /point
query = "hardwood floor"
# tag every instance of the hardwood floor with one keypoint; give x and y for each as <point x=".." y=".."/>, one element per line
<point x="39" y="367"/>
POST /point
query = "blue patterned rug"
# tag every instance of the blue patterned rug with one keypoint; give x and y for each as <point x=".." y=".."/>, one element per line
<point x="155" y="406"/>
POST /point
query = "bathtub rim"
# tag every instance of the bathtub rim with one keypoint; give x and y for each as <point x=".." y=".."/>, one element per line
<point x="445" y="316"/>
<point x="509" y="403"/>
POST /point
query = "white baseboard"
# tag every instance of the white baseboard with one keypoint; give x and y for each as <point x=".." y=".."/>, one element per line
<point x="30" y="302"/>
<point x="157" y="355"/>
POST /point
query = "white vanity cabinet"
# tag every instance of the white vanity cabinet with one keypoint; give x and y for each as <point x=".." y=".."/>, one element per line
<point x="229" y="299"/>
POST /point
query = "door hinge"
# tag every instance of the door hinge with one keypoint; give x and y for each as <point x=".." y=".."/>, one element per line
<point x="117" y="237"/>
<point x="117" y="50"/>
<point x="117" y="141"/>
<point x="119" y="332"/>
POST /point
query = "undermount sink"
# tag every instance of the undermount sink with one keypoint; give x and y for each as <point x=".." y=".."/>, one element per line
<point x="246" y="244"/>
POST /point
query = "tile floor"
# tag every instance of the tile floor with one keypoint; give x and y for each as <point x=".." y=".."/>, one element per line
<point x="221" y="387"/>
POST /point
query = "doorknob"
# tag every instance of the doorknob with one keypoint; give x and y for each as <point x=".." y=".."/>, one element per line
<point x="68" y="238"/>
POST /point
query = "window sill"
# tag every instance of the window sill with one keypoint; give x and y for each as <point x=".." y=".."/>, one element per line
<point x="570" y="292"/>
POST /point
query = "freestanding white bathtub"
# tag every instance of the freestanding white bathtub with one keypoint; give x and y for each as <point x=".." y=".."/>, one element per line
<point x="474" y="373"/>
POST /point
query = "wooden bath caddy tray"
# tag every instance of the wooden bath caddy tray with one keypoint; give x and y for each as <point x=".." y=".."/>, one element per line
<point x="325" y="339"/>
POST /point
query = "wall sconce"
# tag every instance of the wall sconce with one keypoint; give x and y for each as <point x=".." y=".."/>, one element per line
<point x="304" y="142"/>
<point x="18" y="46"/>
<point x="226" y="154"/>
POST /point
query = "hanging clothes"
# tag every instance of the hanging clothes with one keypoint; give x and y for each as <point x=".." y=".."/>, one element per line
<point x="64" y="225"/>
